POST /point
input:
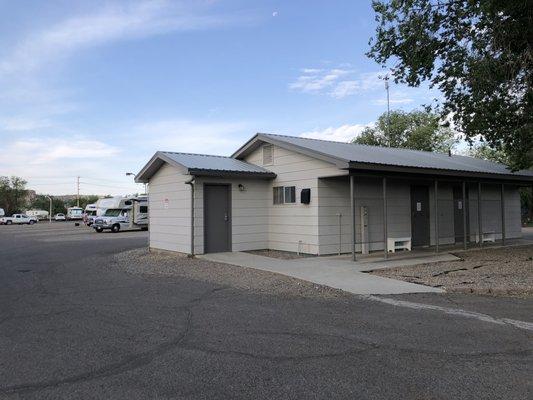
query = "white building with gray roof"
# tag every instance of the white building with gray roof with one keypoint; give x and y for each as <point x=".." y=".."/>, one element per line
<point x="320" y="197"/>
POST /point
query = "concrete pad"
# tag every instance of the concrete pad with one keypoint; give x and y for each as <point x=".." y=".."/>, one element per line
<point x="384" y="264"/>
<point x="333" y="272"/>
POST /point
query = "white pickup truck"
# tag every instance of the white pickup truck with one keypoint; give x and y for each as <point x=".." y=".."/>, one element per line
<point x="18" y="219"/>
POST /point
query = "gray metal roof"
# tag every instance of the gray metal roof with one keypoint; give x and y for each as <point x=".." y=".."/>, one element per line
<point x="214" y="163"/>
<point x="347" y="155"/>
<point x="202" y="164"/>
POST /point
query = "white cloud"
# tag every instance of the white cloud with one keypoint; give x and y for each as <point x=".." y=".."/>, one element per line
<point x="343" y="133"/>
<point x="337" y="82"/>
<point x="23" y="124"/>
<point x="50" y="164"/>
<point x="220" y="138"/>
<point x="112" y="23"/>
<point x="38" y="151"/>
<point x="316" y="80"/>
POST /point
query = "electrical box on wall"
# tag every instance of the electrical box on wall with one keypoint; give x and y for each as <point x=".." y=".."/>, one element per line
<point x="305" y="196"/>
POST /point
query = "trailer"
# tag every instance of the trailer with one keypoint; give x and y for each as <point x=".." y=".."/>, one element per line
<point x="39" y="214"/>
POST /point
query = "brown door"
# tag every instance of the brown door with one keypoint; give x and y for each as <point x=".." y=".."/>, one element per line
<point x="419" y="215"/>
<point x="217" y="218"/>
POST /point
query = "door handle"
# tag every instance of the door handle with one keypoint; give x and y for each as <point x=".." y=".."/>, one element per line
<point x="226" y="217"/>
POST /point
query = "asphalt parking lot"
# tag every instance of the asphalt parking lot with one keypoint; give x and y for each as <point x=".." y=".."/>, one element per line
<point x="75" y="325"/>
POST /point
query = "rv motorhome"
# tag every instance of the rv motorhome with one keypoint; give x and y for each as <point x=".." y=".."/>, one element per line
<point x="74" y="213"/>
<point x="126" y="213"/>
<point x="89" y="214"/>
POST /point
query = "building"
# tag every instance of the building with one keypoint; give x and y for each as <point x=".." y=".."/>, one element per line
<point x="314" y="196"/>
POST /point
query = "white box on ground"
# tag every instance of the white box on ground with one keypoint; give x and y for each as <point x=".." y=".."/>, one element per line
<point x="402" y="243"/>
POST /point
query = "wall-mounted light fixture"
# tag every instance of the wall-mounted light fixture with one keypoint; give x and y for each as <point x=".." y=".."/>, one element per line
<point x="241" y="187"/>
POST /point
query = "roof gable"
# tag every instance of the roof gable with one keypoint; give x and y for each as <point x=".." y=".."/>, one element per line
<point x="201" y="164"/>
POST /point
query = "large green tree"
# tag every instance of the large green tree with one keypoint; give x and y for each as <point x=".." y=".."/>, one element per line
<point x="13" y="194"/>
<point x="479" y="53"/>
<point x="418" y="130"/>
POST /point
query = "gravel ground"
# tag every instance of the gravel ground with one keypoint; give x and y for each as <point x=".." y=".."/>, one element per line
<point x="283" y="255"/>
<point x="497" y="272"/>
<point x="140" y="261"/>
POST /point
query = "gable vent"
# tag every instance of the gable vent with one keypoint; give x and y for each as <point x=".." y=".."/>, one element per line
<point x="268" y="154"/>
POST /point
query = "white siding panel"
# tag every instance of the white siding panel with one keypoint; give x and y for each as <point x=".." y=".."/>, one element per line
<point x="169" y="226"/>
<point x="294" y="227"/>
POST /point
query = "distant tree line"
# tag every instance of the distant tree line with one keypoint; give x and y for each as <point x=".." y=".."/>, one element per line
<point x="14" y="198"/>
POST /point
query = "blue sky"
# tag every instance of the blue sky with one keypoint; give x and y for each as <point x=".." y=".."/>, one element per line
<point x="95" y="88"/>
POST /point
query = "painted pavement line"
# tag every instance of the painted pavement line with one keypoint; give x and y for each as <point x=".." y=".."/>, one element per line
<point x="452" y="311"/>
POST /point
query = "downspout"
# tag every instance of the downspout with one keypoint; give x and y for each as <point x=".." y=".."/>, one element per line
<point x="191" y="183"/>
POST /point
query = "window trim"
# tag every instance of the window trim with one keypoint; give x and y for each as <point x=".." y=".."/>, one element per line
<point x="282" y="197"/>
<point x="292" y="191"/>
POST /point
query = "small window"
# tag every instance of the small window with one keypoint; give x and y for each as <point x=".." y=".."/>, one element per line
<point x="143" y="209"/>
<point x="267" y="154"/>
<point x="284" y="194"/>
<point x="278" y="195"/>
<point x="290" y="194"/>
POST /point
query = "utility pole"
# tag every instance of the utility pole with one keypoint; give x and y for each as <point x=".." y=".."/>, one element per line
<point x="386" y="78"/>
<point x="78" y="193"/>
<point x="50" y="215"/>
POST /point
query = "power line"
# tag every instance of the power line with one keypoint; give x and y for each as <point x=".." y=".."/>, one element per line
<point x="110" y="186"/>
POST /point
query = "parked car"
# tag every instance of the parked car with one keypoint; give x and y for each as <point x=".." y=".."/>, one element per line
<point x="18" y="219"/>
<point x="60" y="217"/>
<point x="2" y="213"/>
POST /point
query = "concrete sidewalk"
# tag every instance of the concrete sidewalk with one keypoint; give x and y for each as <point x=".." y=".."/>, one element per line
<point x="335" y="272"/>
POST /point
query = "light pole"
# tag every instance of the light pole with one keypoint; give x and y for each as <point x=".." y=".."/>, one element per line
<point x="386" y="79"/>
<point x="50" y="215"/>
<point x="134" y="176"/>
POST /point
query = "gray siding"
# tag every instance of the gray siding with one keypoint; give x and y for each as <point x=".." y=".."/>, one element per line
<point x="491" y="211"/>
<point x="334" y="199"/>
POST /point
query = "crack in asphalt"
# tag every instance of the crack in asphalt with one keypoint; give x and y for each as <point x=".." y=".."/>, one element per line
<point x="129" y="363"/>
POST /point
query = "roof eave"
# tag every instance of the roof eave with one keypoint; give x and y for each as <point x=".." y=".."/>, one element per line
<point x="231" y="174"/>
<point x="152" y="166"/>
<point x="440" y="172"/>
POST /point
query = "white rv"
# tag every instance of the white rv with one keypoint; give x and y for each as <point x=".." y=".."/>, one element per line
<point x="39" y="214"/>
<point x="90" y="214"/>
<point x="74" y="213"/>
<point x="126" y="213"/>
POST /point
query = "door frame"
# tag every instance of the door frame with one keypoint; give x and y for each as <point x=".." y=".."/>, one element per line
<point x="411" y="187"/>
<point x="466" y="210"/>
<point x="230" y="217"/>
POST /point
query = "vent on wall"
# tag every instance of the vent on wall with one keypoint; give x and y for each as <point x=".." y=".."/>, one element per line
<point x="267" y="154"/>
